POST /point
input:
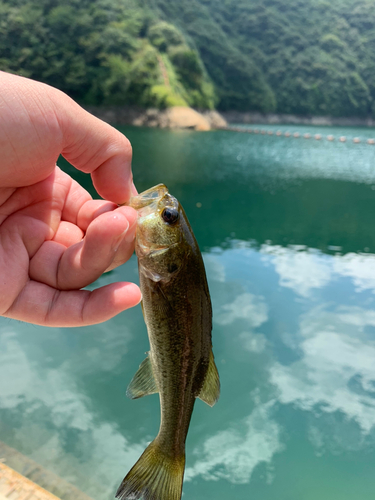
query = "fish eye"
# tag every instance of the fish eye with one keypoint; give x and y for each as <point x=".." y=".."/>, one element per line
<point x="170" y="215"/>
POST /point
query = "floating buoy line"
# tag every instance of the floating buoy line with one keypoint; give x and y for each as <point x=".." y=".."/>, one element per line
<point x="296" y="135"/>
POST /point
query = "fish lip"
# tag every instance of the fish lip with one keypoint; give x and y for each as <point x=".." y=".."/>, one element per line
<point x="145" y="251"/>
<point x="148" y="197"/>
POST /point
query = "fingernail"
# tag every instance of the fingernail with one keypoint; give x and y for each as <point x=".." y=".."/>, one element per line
<point x="130" y="233"/>
<point x="117" y="242"/>
<point x="134" y="190"/>
<point x="119" y="239"/>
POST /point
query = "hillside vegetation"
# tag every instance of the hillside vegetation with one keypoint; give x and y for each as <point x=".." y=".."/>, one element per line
<point x="103" y="52"/>
<point x="302" y="56"/>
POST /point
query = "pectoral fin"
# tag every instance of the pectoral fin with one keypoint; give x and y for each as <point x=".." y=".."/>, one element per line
<point x="210" y="391"/>
<point x="143" y="382"/>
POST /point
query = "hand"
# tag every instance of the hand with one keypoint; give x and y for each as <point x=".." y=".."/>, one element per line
<point x="54" y="239"/>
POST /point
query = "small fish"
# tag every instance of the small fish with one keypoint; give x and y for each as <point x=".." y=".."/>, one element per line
<point x="180" y="365"/>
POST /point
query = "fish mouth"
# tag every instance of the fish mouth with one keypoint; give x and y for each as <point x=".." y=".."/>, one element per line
<point x="147" y="251"/>
<point x="148" y="197"/>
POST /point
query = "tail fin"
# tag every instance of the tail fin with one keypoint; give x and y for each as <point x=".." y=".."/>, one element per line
<point x="156" y="476"/>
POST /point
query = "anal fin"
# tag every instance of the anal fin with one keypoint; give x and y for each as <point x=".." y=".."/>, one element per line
<point x="210" y="391"/>
<point x="143" y="383"/>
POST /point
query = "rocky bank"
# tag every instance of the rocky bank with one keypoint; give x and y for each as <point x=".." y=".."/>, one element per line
<point x="178" y="117"/>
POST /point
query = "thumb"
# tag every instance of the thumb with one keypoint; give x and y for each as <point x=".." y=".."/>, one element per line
<point x="95" y="147"/>
<point x="38" y="122"/>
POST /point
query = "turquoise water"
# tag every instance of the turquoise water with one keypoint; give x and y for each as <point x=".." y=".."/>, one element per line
<point x="286" y="227"/>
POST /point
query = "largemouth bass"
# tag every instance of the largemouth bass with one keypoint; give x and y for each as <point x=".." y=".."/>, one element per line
<point x="180" y="365"/>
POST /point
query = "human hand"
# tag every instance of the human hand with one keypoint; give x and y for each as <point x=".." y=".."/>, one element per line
<point x="54" y="239"/>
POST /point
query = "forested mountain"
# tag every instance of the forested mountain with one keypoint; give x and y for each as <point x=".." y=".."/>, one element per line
<point x="300" y="56"/>
<point x="103" y="52"/>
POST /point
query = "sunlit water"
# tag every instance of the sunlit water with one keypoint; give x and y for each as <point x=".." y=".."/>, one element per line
<point x="287" y="230"/>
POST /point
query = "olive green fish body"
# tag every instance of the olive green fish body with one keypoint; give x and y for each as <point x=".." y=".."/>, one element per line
<point x="178" y="316"/>
<point x="180" y="365"/>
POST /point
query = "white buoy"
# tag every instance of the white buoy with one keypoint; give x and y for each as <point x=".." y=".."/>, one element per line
<point x="370" y="141"/>
<point x="330" y="138"/>
<point x="287" y="134"/>
<point x="342" y="138"/>
<point x="317" y="137"/>
<point x="278" y="133"/>
<point x="296" y="135"/>
<point x="356" y="140"/>
<point x="306" y="136"/>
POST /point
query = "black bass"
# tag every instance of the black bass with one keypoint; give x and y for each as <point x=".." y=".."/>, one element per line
<point x="180" y="365"/>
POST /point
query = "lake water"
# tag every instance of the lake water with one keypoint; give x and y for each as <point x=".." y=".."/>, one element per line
<point x="287" y="231"/>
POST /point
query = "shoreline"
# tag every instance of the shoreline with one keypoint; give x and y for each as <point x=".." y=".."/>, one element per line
<point x="252" y="117"/>
<point x="177" y="117"/>
<point x="188" y="118"/>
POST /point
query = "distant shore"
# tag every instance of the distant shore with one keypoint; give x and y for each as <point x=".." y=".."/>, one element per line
<point x="179" y="117"/>
<point x="280" y="119"/>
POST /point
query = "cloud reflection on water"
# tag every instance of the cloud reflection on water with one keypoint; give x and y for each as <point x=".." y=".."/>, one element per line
<point x="359" y="267"/>
<point x="247" y="307"/>
<point x="299" y="269"/>
<point x="234" y="453"/>
<point x="335" y="343"/>
<point x="303" y="269"/>
<point x="330" y="378"/>
<point x="53" y="421"/>
<point x="335" y="371"/>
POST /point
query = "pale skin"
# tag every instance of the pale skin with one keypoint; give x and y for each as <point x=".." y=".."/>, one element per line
<point x="54" y="238"/>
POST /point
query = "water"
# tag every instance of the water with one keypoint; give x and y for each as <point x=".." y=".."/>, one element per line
<point x="286" y="227"/>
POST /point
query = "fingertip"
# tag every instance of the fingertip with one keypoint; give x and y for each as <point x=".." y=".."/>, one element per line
<point x="91" y="210"/>
<point x="109" y="301"/>
<point x="97" y="148"/>
<point x="113" y="179"/>
<point x="130" y="214"/>
<point x="109" y="225"/>
<point x="127" y="295"/>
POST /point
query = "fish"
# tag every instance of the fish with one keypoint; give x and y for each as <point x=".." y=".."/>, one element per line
<point x="180" y="364"/>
